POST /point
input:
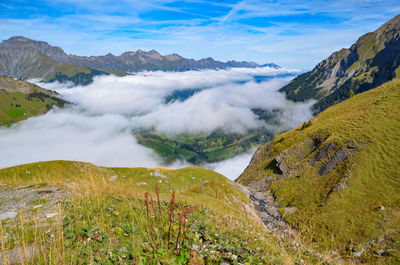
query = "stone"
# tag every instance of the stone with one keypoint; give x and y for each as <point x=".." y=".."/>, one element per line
<point x="19" y="255"/>
<point x="142" y="184"/>
<point x="113" y="178"/>
<point x="358" y="253"/>
<point x="51" y="215"/>
<point x="339" y="156"/>
<point x="8" y="215"/>
<point x="323" y="153"/>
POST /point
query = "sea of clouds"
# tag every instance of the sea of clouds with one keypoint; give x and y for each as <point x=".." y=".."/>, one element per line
<point x="98" y="127"/>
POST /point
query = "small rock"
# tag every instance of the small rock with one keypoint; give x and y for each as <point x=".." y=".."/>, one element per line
<point x="51" y="215"/>
<point x="234" y="257"/>
<point x="123" y="176"/>
<point x="358" y="253"/>
<point x="196" y="248"/>
<point x="381" y="207"/>
<point x="113" y="178"/>
<point x="19" y="255"/>
<point x="7" y="215"/>
<point x="157" y="173"/>
<point x="68" y="181"/>
<point x="142" y="184"/>
<point x="235" y="199"/>
<point x="160" y="181"/>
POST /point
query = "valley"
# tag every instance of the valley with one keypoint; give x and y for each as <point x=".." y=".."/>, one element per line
<point x="151" y="157"/>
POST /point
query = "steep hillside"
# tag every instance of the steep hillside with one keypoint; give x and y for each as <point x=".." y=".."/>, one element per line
<point x="25" y="58"/>
<point x="64" y="212"/>
<point x="336" y="178"/>
<point x="373" y="60"/>
<point x="20" y="100"/>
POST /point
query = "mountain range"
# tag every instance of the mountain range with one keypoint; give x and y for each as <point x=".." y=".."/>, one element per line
<point x="24" y="58"/>
<point x="373" y="60"/>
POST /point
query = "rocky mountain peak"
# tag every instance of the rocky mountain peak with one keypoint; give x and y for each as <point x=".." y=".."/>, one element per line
<point x="371" y="61"/>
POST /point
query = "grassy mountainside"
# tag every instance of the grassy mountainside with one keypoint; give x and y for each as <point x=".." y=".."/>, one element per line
<point x="337" y="179"/>
<point x="199" y="149"/>
<point x="373" y="60"/>
<point x="78" y="213"/>
<point x="20" y="100"/>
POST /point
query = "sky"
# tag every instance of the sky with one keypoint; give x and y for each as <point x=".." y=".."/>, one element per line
<point x="293" y="34"/>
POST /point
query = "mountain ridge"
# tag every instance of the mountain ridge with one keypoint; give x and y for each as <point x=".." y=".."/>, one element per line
<point x="371" y="61"/>
<point x="24" y="58"/>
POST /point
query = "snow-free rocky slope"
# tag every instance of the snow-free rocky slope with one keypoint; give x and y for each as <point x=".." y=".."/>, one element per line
<point x="373" y="60"/>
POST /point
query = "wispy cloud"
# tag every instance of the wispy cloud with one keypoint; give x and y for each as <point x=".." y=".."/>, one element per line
<point x="291" y="33"/>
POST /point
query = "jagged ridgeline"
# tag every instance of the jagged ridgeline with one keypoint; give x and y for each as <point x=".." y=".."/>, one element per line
<point x="336" y="178"/>
<point x="24" y="58"/>
<point x="20" y="100"/>
<point x="373" y="60"/>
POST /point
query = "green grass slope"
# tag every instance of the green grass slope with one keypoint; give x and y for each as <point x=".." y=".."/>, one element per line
<point x="20" y="100"/>
<point x="114" y="216"/>
<point x="199" y="149"/>
<point x="337" y="177"/>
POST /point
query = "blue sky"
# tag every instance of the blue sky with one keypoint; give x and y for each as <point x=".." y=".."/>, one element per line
<point x="293" y="34"/>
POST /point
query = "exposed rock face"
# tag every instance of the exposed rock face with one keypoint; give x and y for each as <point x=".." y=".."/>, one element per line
<point x="323" y="153"/>
<point x="267" y="167"/>
<point x="373" y="60"/>
<point x="339" y="156"/>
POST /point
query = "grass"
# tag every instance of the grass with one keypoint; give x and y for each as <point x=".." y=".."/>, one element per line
<point x="207" y="148"/>
<point x="119" y="221"/>
<point x="349" y="218"/>
<point x="68" y="70"/>
<point x="15" y="113"/>
<point x="15" y="106"/>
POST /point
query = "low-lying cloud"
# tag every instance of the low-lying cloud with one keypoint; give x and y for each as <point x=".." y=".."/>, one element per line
<point x="225" y="101"/>
<point x="98" y="128"/>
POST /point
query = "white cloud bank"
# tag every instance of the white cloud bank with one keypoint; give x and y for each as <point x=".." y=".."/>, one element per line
<point x="99" y="128"/>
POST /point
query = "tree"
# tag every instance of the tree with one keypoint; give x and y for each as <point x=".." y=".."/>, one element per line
<point x="351" y="93"/>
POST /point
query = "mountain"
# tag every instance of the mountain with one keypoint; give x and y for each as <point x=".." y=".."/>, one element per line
<point x="335" y="179"/>
<point x="373" y="60"/>
<point x="25" y="58"/>
<point x="20" y="100"/>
